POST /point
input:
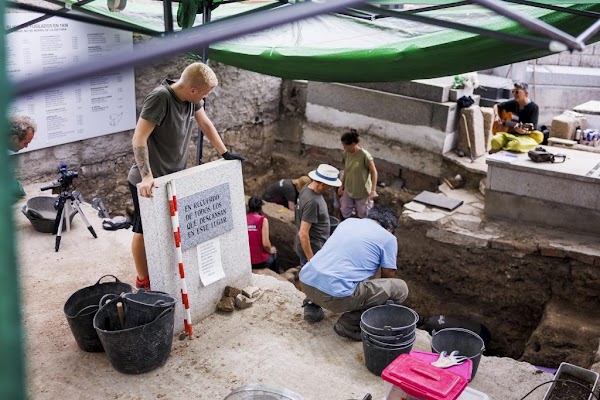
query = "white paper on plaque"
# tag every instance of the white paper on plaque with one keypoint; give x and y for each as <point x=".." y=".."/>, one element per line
<point x="209" y="261"/>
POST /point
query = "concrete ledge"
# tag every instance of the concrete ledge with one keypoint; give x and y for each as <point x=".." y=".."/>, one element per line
<point x="460" y="237"/>
<point x="383" y="106"/>
<point x="437" y="89"/>
<point x="415" y="148"/>
<point x="541" y="212"/>
<point x="572" y="183"/>
<point x="562" y="75"/>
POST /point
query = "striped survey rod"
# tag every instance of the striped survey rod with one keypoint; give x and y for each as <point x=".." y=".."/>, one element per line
<point x="172" y="193"/>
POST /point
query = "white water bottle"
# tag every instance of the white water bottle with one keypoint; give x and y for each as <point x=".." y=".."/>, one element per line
<point x="578" y="134"/>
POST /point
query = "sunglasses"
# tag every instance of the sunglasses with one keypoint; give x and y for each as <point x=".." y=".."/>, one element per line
<point x="515" y="91"/>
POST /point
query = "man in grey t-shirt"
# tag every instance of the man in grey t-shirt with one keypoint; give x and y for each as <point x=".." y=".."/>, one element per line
<point x="312" y="223"/>
<point x="161" y="142"/>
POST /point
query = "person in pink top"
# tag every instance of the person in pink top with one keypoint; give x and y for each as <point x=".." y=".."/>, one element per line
<point x="262" y="253"/>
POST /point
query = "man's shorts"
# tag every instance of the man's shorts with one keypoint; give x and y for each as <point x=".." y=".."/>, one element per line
<point x="137" y="219"/>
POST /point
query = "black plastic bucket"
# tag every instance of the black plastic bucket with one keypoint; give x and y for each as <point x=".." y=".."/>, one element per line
<point x="81" y="307"/>
<point x="143" y="306"/>
<point x="395" y="339"/>
<point x="138" y="349"/>
<point x="389" y="320"/>
<point x="466" y="342"/>
<point x="377" y="357"/>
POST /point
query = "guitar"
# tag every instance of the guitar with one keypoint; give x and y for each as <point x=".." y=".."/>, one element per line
<point x="509" y="122"/>
<point x="506" y="124"/>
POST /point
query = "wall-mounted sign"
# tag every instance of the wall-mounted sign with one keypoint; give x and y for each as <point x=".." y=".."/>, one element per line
<point x="89" y="108"/>
<point x="204" y="215"/>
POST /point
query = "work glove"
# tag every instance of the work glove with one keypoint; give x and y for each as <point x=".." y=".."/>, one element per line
<point x="232" y="156"/>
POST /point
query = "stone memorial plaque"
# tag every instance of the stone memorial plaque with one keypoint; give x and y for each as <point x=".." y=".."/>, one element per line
<point x="204" y="215"/>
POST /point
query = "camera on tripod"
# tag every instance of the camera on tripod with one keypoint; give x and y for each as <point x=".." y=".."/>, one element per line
<point x="65" y="200"/>
<point x="64" y="179"/>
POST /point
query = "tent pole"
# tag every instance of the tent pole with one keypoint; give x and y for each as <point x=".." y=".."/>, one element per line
<point x="533" y="24"/>
<point x="168" y="15"/>
<point x="206" y="16"/>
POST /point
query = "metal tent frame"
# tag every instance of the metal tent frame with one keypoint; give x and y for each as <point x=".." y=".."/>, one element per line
<point x="170" y="43"/>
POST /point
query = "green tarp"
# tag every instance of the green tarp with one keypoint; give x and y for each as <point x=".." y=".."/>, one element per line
<point x="346" y="49"/>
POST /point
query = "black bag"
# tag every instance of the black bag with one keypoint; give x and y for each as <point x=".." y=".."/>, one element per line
<point x="541" y="155"/>
<point x="465" y="102"/>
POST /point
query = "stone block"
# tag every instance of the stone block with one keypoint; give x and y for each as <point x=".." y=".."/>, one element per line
<point x="250" y="291"/>
<point x="460" y="237"/>
<point x="231" y="291"/>
<point x="548" y="250"/>
<point x="226" y="304"/>
<point x="212" y="264"/>
<point x="563" y="126"/>
<point x="414" y="206"/>
<point x="242" y="301"/>
<point x="488" y="122"/>
<point x="464" y="221"/>
<point x="426" y="216"/>
<point x="379" y="105"/>
<point x="471" y="123"/>
<point x="436" y="89"/>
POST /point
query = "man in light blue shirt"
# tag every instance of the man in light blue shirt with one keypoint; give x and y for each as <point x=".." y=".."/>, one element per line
<point x="338" y="276"/>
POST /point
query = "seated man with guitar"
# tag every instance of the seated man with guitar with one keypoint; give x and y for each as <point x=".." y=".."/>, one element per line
<point x="515" y="123"/>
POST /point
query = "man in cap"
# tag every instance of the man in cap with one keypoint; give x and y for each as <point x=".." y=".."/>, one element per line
<point x="338" y="276"/>
<point x="524" y="136"/>
<point x="312" y="223"/>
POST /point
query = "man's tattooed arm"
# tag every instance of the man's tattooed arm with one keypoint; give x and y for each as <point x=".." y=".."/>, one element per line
<point x="142" y="160"/>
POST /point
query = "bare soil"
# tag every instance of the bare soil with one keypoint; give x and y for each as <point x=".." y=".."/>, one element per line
<point x="268" y="343"/>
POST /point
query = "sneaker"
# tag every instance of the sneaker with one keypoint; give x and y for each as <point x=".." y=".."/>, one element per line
<point x="341" y="330"/>
<point x="312" y="312"/>
<point x="142" y="284"/>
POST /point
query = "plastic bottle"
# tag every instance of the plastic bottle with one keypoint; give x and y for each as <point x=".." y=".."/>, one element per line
<point x="578" y="134"/>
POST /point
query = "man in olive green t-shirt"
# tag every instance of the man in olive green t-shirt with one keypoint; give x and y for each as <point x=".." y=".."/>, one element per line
<point x="161" y="142"/>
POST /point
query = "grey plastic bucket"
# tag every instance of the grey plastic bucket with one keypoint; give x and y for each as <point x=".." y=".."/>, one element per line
<point x="377" y="357"/>
<point x="389" y="320"/>
<point x="466" y="342"/>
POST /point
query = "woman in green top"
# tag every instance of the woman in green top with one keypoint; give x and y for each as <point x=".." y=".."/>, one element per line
<point x="359" y="181"/>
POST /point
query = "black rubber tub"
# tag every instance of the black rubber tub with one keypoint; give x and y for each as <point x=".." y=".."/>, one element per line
<point x="81" y="307"/>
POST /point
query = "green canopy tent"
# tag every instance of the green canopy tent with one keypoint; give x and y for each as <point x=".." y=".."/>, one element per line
<point x="364" y="44"/>
<point x="369" y="43"/>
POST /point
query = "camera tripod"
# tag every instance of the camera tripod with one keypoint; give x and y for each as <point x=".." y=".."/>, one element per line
<point x="65" y="201"/>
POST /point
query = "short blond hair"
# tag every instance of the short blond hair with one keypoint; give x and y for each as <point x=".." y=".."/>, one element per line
<point x="200" y="76"/>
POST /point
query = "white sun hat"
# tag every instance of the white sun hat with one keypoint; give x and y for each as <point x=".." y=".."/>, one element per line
<point x="326" y="174"/>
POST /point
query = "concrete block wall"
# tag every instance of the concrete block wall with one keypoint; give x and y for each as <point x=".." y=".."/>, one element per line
<point x="588" y="58"/>
<point x="407" y="131"/>
<point x="556" y="88"/>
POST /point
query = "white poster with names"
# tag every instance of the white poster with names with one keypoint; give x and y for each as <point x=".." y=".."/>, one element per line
<point x="93" y="107"/>
<point x="209" y="261"/>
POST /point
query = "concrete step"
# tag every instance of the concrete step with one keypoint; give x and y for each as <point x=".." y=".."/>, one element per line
<point x="490" y="102"/>
<point x="436" y="89"/>
<point x="388" y="106"/>
<point x="494" y="87"/>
